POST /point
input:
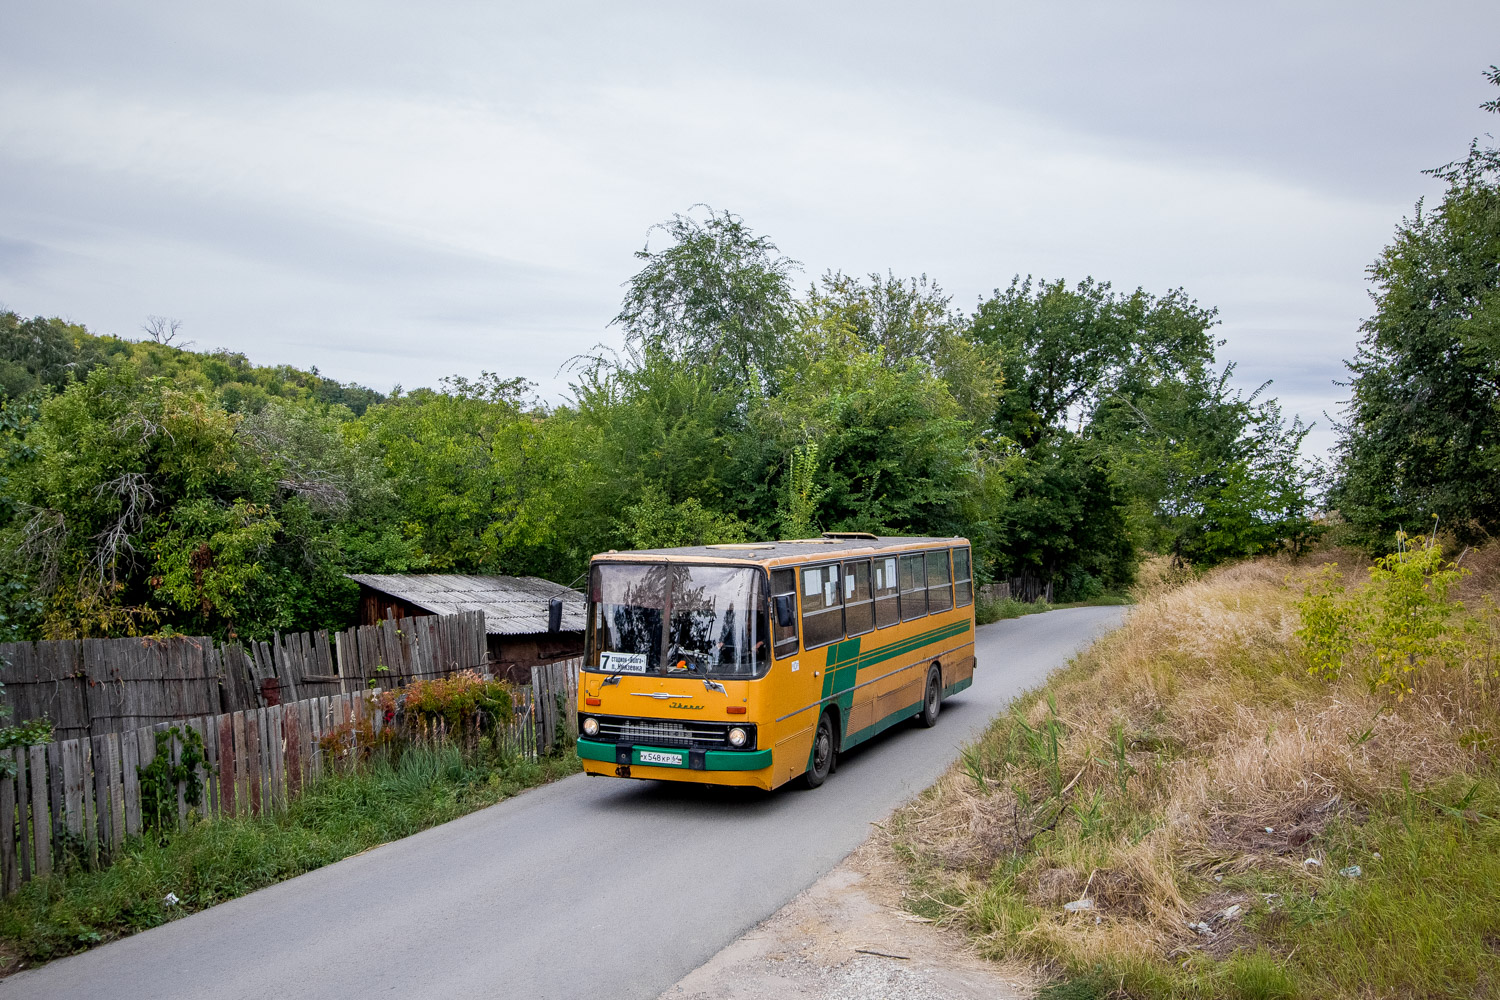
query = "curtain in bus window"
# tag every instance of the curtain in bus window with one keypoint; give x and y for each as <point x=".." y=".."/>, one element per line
<point x="913" y="588"/>
<point x="883" y="576"/>
<point x="963" y="577"/>
<point x="859" y="605"/>
<point x="939" y="587"/>
<point x="784" y="582"/>
<point x="822" y="605"/>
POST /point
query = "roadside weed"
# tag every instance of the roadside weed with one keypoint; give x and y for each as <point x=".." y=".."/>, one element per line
<point x="1230" y="819"/>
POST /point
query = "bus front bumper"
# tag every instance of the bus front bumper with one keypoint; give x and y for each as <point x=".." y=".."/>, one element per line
<point x="674" y="757"/>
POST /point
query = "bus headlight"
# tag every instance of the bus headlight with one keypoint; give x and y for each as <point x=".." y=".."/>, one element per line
<point x="737" y="737"/>
<point x="591" y="727"/>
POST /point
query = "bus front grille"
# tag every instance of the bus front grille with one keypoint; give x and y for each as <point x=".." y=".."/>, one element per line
<point x="663" y="732"/>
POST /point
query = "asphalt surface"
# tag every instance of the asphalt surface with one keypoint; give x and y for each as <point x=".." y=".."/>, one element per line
<point x="590" y="887"/>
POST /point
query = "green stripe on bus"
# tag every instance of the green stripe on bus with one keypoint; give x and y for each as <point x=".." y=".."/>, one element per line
<point x="713" y="760"/>
<point x="912" y="644"/>
<point x="957" y="686"/>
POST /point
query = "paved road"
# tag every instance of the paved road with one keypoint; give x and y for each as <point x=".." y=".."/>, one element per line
<point x="590" y="887"/>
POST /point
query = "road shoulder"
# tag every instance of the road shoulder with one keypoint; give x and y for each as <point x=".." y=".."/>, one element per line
<point x="847" y="937"/>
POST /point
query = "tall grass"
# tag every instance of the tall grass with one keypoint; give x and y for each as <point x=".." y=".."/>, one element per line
<point x="394" y="795"/>
<point x="1190" y="779"/>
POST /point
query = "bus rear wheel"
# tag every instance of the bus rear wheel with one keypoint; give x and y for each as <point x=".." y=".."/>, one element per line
<point x="824" y="751"/>
<point x="932" y="701"/>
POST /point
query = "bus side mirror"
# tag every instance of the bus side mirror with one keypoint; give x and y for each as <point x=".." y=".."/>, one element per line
<point x="786" y="610"/>
<point x="554" y="616"/>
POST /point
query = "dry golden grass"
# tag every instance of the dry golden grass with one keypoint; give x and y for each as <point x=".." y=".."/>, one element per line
<point x="1193" y="752"/>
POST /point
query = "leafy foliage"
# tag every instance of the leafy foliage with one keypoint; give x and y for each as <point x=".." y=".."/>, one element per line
<point x="655" y="523"/>
<point x="719" y="296"/>
<point x="1420" y="436"/>
<point x="1402" y="620"/>
<point x="1118" y="434"/>
<point x="802" y="493"/>
<point x="179" y="755"/>
<point x="147" y="487"/>
<point x="465" y="705"/>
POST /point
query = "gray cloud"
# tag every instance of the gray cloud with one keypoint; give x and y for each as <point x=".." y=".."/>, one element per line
<point x="394" y="193"/>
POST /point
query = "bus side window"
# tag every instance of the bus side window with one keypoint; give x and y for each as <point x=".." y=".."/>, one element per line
<point x="784" y="584"/>
<point x="963" y="577"/>
<point x="859" y="606"/>
<point x="887" y="611"/>
<point x="913" y="588"/>
<point x="822" y="605"/>
<point x="939" y="587"/>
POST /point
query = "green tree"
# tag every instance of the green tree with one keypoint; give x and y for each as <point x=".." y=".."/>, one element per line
<point x="904" y="318"/>
<point x="1211" y="475"/>
<point x="907" y="320"/>
<point x="1420" y="436"/>
<point x="1065" y="350"/>
<point x="1060" y="518"/>
<point x="132" y="505"/>
<point x="1115" y="401"/>
<point x="474" y="473"/>
<point x="718" y="296"/>
<point x="42" y="354"/>
<point x="892" y="445"/>
<point x="654" y="522"/>
<point x="105" y="466"/>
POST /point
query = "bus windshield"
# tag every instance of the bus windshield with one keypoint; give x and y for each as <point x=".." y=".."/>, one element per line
<point x="671" y="618"/>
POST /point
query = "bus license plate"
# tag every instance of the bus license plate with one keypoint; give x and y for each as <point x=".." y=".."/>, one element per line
<point x="657" y="757"/>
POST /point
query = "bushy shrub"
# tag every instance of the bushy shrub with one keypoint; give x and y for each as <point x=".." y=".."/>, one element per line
<point x="1403" y="619"/>
<point x="461" y="703"/>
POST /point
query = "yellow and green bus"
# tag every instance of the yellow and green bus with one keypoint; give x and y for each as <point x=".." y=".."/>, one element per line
<point x="755" y="664"/>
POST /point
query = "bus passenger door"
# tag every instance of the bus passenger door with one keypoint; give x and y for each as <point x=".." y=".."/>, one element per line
<point x="794" y="689"/>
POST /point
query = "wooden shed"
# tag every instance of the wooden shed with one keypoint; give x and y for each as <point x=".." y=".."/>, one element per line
<point x="515" y="612"/>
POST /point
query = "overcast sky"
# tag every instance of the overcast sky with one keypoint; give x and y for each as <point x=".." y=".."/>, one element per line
<point x="395" y="192"/>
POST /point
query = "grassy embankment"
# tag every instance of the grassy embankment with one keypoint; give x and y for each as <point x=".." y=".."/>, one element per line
<point x="1238" y="826"/>
<point x="392" y="796"/>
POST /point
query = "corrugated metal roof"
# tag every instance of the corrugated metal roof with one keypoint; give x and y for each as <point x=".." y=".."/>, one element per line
<point x="512" y="605"/>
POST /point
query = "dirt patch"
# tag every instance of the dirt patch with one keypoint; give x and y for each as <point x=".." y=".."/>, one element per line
<point x="847" y="938"/>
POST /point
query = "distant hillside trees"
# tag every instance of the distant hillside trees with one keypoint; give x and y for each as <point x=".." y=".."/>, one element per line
<point x="1064" y="428"/>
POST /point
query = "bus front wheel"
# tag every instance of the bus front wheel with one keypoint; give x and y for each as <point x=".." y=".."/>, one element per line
<point x="932" y="701"/>
<point x="824" y="751"/>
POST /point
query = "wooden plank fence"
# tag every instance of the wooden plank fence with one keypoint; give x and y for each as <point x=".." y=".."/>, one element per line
<point x="77" y="802"/>
<point x="92" y="687"/>
<point x="554" y="697"/>
<point x="991" y="592"/>
<point x="1029" y="589"/>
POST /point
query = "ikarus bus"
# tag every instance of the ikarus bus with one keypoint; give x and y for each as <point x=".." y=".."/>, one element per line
<point x="756" y="664"/>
